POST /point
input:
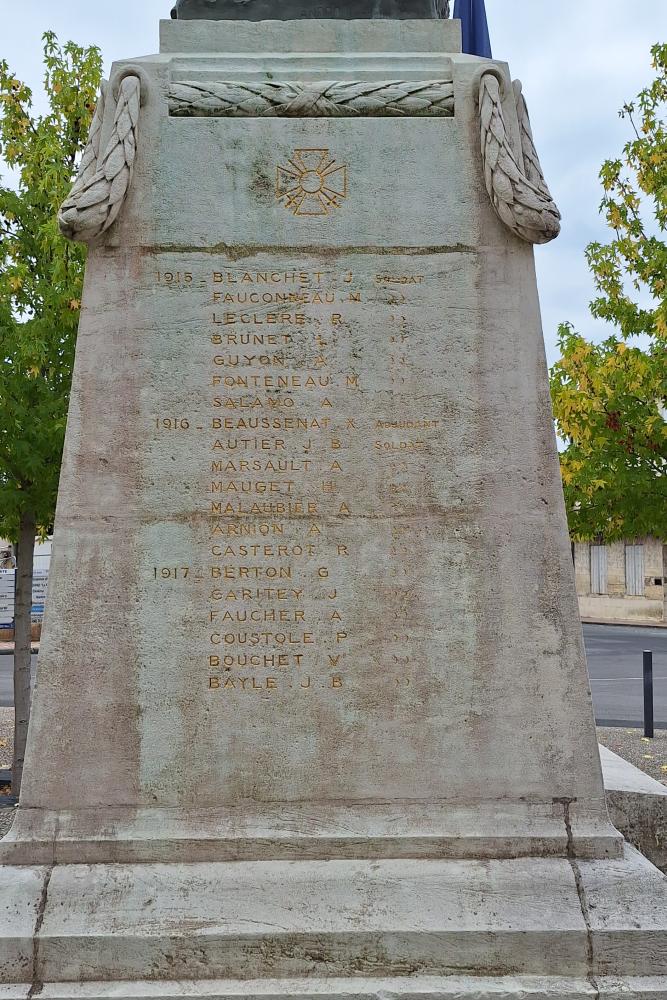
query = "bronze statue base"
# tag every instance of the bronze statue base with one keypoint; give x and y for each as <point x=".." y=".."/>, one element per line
<point x="286" y="10"/>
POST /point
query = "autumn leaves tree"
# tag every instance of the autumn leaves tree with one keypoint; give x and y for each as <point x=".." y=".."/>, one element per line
<point x="610" y="398"/>
<point x="41" y="278"/>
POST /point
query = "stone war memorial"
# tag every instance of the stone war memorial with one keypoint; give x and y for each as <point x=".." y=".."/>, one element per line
<point x="312" y="718"/>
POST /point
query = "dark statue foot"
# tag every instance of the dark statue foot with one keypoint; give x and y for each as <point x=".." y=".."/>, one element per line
<point x="267" y="10"/>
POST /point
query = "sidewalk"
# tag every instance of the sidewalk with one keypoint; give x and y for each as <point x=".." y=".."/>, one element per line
<point x="624" y="624"/>
<point x="7" y="648"/>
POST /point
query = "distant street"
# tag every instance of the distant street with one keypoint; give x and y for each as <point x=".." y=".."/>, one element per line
<point x="615" y="667"/>
<point x="614" y="663"/>
<point x="7" y="679"/>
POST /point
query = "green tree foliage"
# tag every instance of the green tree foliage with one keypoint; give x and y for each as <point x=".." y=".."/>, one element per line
<point x="610" y="398"/>
<point x="41" y="278"/>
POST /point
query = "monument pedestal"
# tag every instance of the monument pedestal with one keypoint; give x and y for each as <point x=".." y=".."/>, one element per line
<point x="461" y="929"/>
<point x="542" y="927"/>
<point x="312" y="715"/>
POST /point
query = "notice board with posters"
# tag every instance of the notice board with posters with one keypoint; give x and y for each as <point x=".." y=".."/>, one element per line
<point x="39" y="588"/>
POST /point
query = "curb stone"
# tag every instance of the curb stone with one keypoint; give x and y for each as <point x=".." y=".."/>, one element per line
<point x="623" y="623"/>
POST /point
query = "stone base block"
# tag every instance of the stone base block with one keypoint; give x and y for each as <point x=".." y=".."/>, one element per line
<point x="341" y="928"/>
<point x="416" y="988"/>
<point x="637" y="806"/>
<point x="418" y="830"/>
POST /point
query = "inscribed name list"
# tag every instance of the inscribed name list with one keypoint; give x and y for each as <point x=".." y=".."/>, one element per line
<point x="299" y="440"/>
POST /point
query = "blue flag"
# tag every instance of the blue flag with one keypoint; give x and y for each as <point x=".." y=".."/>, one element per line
<point x="472" y="13"/>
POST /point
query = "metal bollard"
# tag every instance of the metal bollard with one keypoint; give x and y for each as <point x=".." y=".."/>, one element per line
<point x="648" y="694"/>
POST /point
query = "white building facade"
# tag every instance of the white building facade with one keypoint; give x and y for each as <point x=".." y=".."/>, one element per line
<point x="622" y="581"/>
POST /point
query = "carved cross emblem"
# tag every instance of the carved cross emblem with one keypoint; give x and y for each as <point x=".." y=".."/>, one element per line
<point x="312" y="183"/>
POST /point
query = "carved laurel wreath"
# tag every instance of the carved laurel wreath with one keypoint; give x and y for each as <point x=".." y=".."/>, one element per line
<point x="519" y="194"/>
<point x="103" y="181"/>
<point x="326" y="99"/>
<point x="518" y="191"/>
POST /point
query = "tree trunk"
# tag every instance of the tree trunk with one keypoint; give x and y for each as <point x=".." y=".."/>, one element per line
<point x="22" y="643"/>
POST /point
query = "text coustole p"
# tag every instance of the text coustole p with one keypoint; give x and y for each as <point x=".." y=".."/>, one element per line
<point x="312" y="663"/>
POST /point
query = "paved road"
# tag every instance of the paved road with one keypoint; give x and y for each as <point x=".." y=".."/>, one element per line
<point x="614" y="662"/>
<point x="615" y="666"/>
<point x="7" y="679"/>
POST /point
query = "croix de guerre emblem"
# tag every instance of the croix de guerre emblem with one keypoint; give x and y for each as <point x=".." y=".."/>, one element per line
<point x="312" y="183"/>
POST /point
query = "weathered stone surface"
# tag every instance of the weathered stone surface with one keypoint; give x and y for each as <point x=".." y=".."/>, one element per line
<point x="637" y="806"/>
<point x="627" y="907"/>
<point x="299" y="831"/>
<point x="311" y="658"/>
<point x="338" y="918"/>
<point x="633" y="987"/>
<point x="266" y="920"/>
<point x="316" y="47"/>
<point x="303" y="419"/>
<point x="414" y="988"/>
<point x="20" y="902"/>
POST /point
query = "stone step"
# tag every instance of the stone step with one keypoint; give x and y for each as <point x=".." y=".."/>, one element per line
<point x="540" y="917"/>
<point x="413" y="988"/>
<point x="310" y="832"/>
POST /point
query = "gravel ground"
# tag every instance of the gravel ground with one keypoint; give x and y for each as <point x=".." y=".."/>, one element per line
<point x="647" y="755"/>
<point x="6" y="736"/>
<point x="6" y="817"/>
<point x="6" y="751"/>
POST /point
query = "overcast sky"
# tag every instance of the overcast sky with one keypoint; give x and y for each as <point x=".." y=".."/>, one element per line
<point x="579" y="60"/>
